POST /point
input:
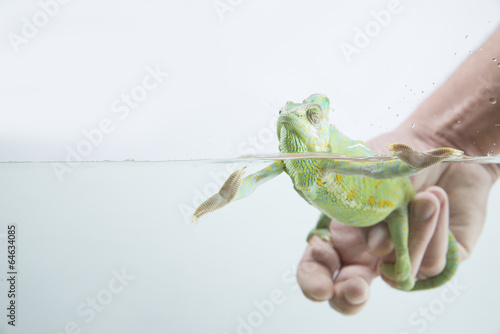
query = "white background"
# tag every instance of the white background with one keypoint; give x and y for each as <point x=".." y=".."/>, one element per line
<point x="228" y="77"/>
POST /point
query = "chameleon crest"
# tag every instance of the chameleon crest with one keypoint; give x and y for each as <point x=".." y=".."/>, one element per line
<point x="355" y="193"/>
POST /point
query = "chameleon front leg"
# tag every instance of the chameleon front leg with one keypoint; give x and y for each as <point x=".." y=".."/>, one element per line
<point x="409" y="162"/>
<point x="322" y="229"/>
<point x="236" y="187"/>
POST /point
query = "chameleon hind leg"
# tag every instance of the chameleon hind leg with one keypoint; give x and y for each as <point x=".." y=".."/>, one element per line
<point x="322" y="229"/>
<point x="452" y="261"/>
<point x="400" y="272"/>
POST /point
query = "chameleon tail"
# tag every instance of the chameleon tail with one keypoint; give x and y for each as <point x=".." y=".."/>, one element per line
<point x="452" y="260"/>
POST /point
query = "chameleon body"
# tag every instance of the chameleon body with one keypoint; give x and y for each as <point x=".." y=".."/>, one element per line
<point x="356" y="193"/>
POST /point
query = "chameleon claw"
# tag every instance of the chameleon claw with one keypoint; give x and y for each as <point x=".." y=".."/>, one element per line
<point x="225" y="195"/>
<point x="425" y="159"/>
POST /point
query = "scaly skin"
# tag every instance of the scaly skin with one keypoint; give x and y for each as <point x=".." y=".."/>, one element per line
<point x="354" y="193"/>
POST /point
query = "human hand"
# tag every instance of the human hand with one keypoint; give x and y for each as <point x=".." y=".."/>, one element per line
<point x="449" y="196"/>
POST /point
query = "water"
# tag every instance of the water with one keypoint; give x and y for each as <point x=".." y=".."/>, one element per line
<point x="116" y="237"/>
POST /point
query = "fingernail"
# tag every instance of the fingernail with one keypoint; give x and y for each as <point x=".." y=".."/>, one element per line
<point x="423" y="210"/>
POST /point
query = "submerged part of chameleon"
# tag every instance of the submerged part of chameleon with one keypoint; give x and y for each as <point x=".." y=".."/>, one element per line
<point x="356" y="193"/>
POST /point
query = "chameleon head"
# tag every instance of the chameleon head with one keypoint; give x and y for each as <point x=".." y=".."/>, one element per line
<point x="304" y="127"/>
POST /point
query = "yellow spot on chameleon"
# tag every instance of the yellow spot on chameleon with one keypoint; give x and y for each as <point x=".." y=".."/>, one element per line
<point x="268" y="167"/>
<point x="390" y="162"/>
<point x="319" y="182"/>
<point x="371" y="200"/>
<point x="385" y="202"/>
<point x="405" y="228"/>
<point x="378" y="184"/>
<point x="363" y="179"/>
<point x="277" y="163"/>
<point x="348" y="163"/>
<point x="338" y="177"/>
<point x="352" y="193"/>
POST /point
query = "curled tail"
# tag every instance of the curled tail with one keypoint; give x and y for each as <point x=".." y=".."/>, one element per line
<point x="452" y="260"/>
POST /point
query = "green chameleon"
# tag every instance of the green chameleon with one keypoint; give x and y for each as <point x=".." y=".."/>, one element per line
<point x="355" y="193"/>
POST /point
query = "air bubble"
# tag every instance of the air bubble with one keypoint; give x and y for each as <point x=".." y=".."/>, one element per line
<point x="498" y="64"/>
<point x="494" y="59"/>
<point x="498" y="124"/>
<point x="466" y="36"/>
<point x="412" y="125"/>
<point x="492" y="100"/>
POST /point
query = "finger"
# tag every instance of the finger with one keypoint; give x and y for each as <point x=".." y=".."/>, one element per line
<point x="468" y="197"/>
<point x="352" y="289"/>
<point x="378" y="240"/>
<point x="428" y="240"/>
<point x="316" y="269"/>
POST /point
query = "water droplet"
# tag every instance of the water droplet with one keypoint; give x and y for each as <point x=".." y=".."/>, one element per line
<point x="422" y="92"/>
<point x="498" y="124"/>
<point x="412" y="125"/>
<point x="433" y="115"/>
<point x="492" y="100"/>
<point x="397" y="115"/>
<point x="388" y="107"/>
<point x="433" y="83"/>
<point x="494" y="144"/>
<point x="455" y="53"/>
<point x="494" y="59"/>
<point x="480" y="49"/>
<point x="458" y="122"/>
<point x="498" y="64"/>
<point x="490" y="153"/>
<point x="470" y="51"/>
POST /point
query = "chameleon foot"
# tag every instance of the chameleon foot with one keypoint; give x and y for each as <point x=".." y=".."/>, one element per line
<point x="324" y="234"/>
<point x="425" y="159"/>
<point x="402" y="278"/>
<point x="225" y="195"/>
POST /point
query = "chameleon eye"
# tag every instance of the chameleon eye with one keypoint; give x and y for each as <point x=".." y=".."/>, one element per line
<point x="313" y="116"/>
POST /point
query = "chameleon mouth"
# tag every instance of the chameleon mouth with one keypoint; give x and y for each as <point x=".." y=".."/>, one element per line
<point x="285" y="119"/>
